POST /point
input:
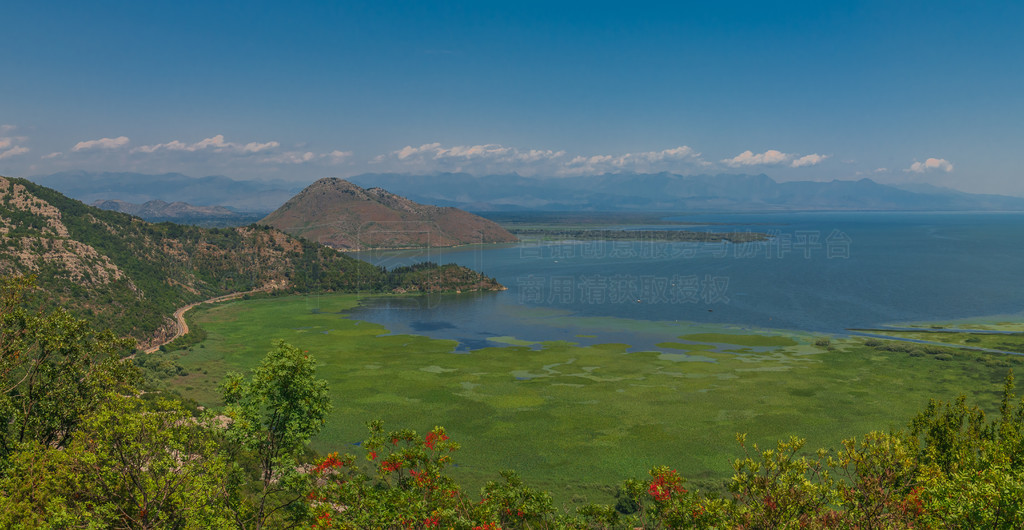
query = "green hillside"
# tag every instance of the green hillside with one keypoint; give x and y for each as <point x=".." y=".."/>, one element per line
<point x="129" y="274"/>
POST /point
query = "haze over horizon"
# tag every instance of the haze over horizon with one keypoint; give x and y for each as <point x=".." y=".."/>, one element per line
<point x="899" y="93"/>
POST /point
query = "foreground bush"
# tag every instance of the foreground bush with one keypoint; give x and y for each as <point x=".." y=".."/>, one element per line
<point x="82" y="447"/>
<point x="951" y="468"/>
<point x="132" y="464"/>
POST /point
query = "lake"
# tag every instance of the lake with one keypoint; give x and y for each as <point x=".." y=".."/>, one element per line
<point x="819" y="273"/>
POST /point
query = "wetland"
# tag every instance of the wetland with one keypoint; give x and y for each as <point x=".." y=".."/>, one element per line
<point x="578" y="389"/>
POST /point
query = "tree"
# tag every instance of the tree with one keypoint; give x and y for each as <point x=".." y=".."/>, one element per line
<point x="273" y="415"/>
<point x="132" y="464"/>
<point x="54" y="370"/>
<point x="972" y="469"/>
<point x="408" y="487"/>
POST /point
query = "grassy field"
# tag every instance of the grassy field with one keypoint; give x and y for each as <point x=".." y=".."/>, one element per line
<point x="1003" y="341"/>
<point x="577" y="419"/>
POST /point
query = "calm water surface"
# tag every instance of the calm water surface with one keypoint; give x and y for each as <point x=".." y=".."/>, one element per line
<point x="820" y="272"/>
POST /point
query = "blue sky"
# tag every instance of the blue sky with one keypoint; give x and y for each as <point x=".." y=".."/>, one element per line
<point x="896" y="91"/>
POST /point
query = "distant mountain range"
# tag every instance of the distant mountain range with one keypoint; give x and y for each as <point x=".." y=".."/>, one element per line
<point x="340" y="214"/>
<point x="609" y="192"/>
<point x="255" y="196"/>
<point x="156" y="211"/>
<point x="671" y="192"/>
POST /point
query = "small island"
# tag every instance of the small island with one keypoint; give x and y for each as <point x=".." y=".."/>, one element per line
<point x="676" y="236"/>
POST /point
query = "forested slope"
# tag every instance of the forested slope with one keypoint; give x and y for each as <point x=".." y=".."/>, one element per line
<point x="130" y="274"/>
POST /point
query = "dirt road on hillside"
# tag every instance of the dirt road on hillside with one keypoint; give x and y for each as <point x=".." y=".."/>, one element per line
<point x="179" y="315"/>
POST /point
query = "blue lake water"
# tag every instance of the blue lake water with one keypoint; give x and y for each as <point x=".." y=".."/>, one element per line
<point x="820" y="272"/>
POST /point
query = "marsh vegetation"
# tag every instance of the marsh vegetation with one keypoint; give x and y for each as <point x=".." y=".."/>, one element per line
<point x="575" y="418"/>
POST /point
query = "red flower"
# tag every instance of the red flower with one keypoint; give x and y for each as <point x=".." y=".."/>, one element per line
<point x="658" y="490"/>
<point x="373" y="455"/>
<point x="323" y="521"/>
<point x="421" y="478"/>
<point x="664" y="485"/>
<point x="332" y="461"/>
<point x="433" y="437"/>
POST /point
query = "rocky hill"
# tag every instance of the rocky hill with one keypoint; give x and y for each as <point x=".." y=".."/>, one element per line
<point x="157" y="211"/>
<point x="163" y="209"/>
<point x="340" y="214"/>
<point x="119" y="270"/>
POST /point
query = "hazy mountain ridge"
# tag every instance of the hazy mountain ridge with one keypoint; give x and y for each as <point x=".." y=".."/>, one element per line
<point x="163" y="209"/>
<point x="239" y="195"/>
<point x="667" y="191"/>
<point x="115" y="268"/>
<point x="612" y="191"/>
<point x="157" y="211"/>
<point x="343" y="215"/>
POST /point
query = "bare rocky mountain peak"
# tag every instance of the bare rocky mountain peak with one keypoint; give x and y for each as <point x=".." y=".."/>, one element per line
<point x="343" y="215"/>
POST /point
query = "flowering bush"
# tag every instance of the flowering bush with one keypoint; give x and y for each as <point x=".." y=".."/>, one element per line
<point x="405" y="487"/>
<point x="953" y="468"/>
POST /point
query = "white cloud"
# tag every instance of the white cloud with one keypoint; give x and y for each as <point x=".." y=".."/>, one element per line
<point x="9" y="145"/>
<point x="808" y="160"/>
<point x="881" y="170"/>
<point x="773" y="157"/>
<point x="102" y="143"/>
<point x="170" y="146"/>
<point x="336" y="157"/>
<point x="302" y="157"/>
<point x="748" y="158"/>
<point x="215" y="144"/>
<point x="255" y="147"/>
<point x="497" y="158"/>
<point x="683" y="151"/>
<point x="665" y="159"/>
<point x="14" y="151"/>
<point x="410" y="151"/>
<point x="495" y="152"/>
<point x="57" y="154"/>
<point x="218" y="150"/>
<point x="290" y="157"/>
<point x="940" y="164"/>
